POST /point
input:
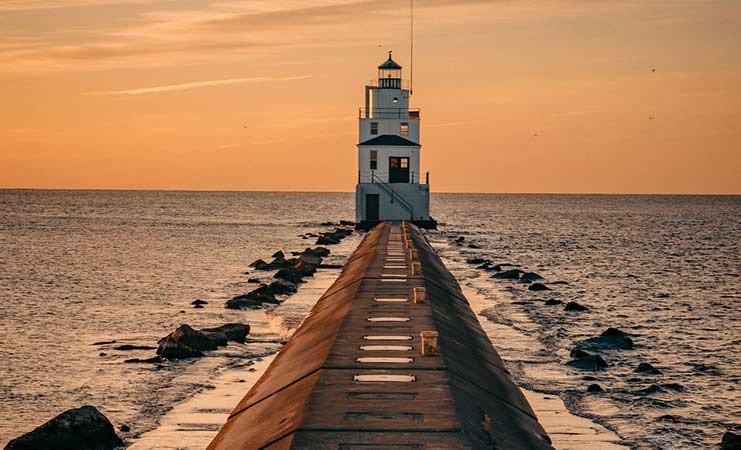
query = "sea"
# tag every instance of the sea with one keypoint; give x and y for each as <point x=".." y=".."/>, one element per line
<point x="80" y="269"/>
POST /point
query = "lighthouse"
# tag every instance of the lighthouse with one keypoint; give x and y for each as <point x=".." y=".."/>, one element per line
<point x="390" y="183"/>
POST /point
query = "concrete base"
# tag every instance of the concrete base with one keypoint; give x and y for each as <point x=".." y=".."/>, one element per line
<point x="365" y="225"/>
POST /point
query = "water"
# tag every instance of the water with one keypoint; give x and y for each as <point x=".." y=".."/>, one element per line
<point x="87" y="266"/>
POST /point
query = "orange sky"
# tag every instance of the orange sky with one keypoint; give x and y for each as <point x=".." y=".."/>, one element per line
<point x="263" y="94"/>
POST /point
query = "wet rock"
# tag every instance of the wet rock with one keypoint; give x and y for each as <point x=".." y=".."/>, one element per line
<point x="730" y="441"/>
<point x="538" y="287"/>
<point x="512" y="274"/>
<point x="527" y="277"/>
<point x="102" y="354"/>
<point x="282" y="287"/>
<point x="559" y="282"/>
<point x="647" y="368"/>
<point x="259" y="264"/>
<point x="573" y="306"/>
<point x="673" y="386"/>
<point x="199" y="302"/>
<point x="104" y="342"/>
<point x="589" y="362"/>
<point x="475" y="261"/>
<point x="278" y="255"/>
<point x="306" y="269"/>
<point x="460" y="239"/>
<point x="124" y="428"/>
<point x="127" y="347"/>
<point x="83" y="428"/>
<point x="612" y="339"/>
<point x="595" y="388"/>
<point x="153" y="360"/>
<point x="327" y="224"/>
<point x="578" y="353"/>
<point x="707" y="369"/>
<point x="198" y="306"/>
<point x="291" y="274"/>
<point x="253" y="299"/>
<point x="472" y="245"/>
<point x="185" y="339"/>
<point x="347" y="223"/>
<point x="327" y="239"/>
<point x="253" y="280"/>
<point x="309" y="258"/>
<point x="236" y="332"/>
<point x="589" y="378"/>
<point x="552" y="301"/>
<point x="321" y="252"/>
<point x="649" y="390"/>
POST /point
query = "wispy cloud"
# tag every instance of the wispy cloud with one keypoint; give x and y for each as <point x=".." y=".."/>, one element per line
<point x="196" y="85"/>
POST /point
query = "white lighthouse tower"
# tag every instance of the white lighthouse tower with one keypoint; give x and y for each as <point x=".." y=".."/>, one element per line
<point x="390" y="184"/>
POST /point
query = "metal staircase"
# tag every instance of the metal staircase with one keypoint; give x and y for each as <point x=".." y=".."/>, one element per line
<point x="393" y="195"/>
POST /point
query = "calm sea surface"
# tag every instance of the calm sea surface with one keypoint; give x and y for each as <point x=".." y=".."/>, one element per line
<point x="79" y="267"/>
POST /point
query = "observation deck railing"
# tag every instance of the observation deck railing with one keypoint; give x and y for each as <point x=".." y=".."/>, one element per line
<point x="388" y="113"/>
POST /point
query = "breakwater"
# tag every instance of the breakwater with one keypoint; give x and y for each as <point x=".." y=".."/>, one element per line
<point x="354" y="374"/>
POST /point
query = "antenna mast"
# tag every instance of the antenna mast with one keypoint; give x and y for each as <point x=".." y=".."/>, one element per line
<point x="411" y="44"/>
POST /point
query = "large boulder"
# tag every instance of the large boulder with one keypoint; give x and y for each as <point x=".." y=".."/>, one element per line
<point x="279" y="254"/>
<point x="647" y="368"/>
<point x="538" y="287"/>
<point x="512" y="274"/>
<point x="610" y="339"/>
<point x="185" y="342"/>
<point x="83" y="428"/>
<point x="253" y="299"/>
<point x="307" y="269"/>
<point x="282" y="287"/>
<point x="236" y="332"/>
<point x="171" y="348"/>
<point x="259" y="264"/>
<point x="310" y="258"/>
<point x="328" y="239"/>
<point x="730" y="441"/>
<point x="528" y="277"/>
<point x="588" y="362"/>
<point x="291" y="274"/>
<point x="321" y="252"/>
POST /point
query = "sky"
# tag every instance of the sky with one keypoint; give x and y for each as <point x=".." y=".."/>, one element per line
<point x="524" y="96"/>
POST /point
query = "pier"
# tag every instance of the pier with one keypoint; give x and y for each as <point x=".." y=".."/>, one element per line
<point x="390" y="357"/>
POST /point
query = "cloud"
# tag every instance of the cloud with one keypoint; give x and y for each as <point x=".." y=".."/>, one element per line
<point x="197" y="84"/>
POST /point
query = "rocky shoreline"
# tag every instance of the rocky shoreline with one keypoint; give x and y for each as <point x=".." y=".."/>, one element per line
<point x="87" y="428"/>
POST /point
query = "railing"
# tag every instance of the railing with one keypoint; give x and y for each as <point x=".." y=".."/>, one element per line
<point x="389" y="113"/>
<point x="394" y="83"/>
<point x="395" y="197"/>
<point x="367" y="176"/>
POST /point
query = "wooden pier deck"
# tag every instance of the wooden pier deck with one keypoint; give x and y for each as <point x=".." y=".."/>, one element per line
<point x="353" y="376"/>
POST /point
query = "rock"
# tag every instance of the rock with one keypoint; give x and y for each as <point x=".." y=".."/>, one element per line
<point x="538" y="287"/>
<point x="279" y="263"/>
<point x="559" y="282"/>
<point x="647" y="368"/>
<point x="259" y="264"/>
<point x="330" y="266"/>
<point x="306" y="269"/>
<point x="595" y="388"/>
<point x="102" y="354"/>
<point x="460" y="239"/>
<point x="278" y="255"/>
<point x="253" y="299"/>
<point x="476" y="261"/>
<point x="573" y="306"/>
<point x="236" y="332"/>
<point x="199" y="302"/>
<point x="578" y="353"/>
<point x="253" y="280"/>
<point x="327" y="240"/>
<point x="291" y="274"/>
<point x="612" y="338"/>
<point x="153" y="360"/>
<point x="527" y="277"/>
<point x="649" y="390"/>
<point x="134" y="347"/>
<point x="282" y="287"/>
<point x="185" y="342"/>
<point x="198" y="306"/>
<point x="730" y="441"/>
<point x="310" y="258"/>
<point x="104" y="342"/>
<point x="327" y="224"/>
<point x="321" y="252"/>
<point x="472" y="245"/>
<point x="552" y="301"/>
<point x="673" y="386"/>
<point x="590" y="362"/>
<point x="512" y="274"/>
<point x="124" y="428"/>
<point x="347" y="223"/>
<point x="83" y="428"/>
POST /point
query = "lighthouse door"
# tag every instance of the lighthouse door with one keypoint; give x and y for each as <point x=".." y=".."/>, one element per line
<point x="372" y="207"/>
<point x="398" y="169"/>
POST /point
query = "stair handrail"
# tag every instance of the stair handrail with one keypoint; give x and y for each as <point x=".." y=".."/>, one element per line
<point x="393" y="194"/>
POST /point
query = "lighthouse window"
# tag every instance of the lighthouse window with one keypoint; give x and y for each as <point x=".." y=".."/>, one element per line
<point x="404" y="130"/>
<point x="374" y="128"/>
<point x="373" y="159"/>
<point x="404" y="163"/>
